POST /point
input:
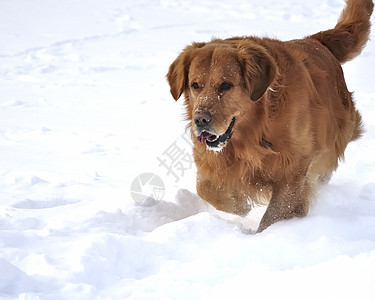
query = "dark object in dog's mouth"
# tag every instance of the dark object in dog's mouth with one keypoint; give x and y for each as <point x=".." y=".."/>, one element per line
<point x="214" y="141"/>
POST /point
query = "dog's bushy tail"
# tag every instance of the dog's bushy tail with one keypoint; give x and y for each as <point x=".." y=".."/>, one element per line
<point x="351" y="33"/>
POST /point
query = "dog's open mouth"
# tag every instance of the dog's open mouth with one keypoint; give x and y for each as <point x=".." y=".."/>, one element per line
<point x="214" y="141"/>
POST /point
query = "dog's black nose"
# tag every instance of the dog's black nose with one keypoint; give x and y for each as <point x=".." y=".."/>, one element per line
<point x="202" y="118"/>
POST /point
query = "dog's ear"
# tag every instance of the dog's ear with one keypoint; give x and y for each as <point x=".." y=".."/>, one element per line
<point x="259" y="69"/>
<point x="178" y="73"/>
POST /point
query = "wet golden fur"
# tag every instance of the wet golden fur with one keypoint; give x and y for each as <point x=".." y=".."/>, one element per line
<point x="294" y="115"/>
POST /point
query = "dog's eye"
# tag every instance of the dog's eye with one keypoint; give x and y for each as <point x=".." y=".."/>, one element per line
<point x="195" y="86"/>
<point x="225" y="86"/>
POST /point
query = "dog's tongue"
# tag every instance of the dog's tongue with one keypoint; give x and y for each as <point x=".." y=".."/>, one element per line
<point x="206" y="136"/>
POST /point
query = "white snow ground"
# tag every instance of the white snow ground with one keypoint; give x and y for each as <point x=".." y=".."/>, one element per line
<point x="85" y="109"/>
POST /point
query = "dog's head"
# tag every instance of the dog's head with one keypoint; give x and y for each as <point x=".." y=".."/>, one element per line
<point x="222" y="81"/>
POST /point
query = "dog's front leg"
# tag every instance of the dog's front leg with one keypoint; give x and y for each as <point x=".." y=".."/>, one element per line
<point x="226" y="199"/>
<point x="288" y="200"/>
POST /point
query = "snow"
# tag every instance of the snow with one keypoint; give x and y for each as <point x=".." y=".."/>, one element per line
<point x="85" y="110"/>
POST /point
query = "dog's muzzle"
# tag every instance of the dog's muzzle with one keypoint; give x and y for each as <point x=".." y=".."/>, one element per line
<point x="216" y="142"/>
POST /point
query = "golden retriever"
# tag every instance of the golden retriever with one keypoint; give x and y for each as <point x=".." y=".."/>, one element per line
<point x="270" y="119"/>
